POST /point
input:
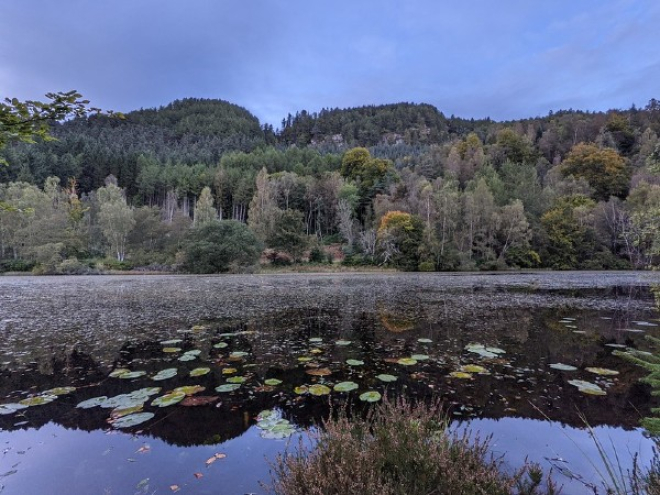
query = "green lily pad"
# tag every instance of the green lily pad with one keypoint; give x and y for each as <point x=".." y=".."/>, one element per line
<point x="272" y="382"/>
<point x="384" y="377"/>
<point x="120" y="412"/>
<point x="171" y="350"/>
<point x="237" y="379"/>
<point x="473" y="368"/>
<point x="301" y="390"/>
<point x="407" y="361"/>
<point x="562" y="367"/>
<point x="304" y="359"/>
<point x="316" y="340"/>
<point x="419" y="357"/>
<point x="131" y="374"/>
<point x="38" y="400"/>
<point x="587" y="387"/>
<point x="602" y="371"/>
<point x="200" y="371"/>
<point x="190" y="355"/>
<point x="228" y="387"/>
<point x="168" y="399"/>
<point x="124" y="400"/>
<point x="11" y="408"/>
<point x="425" y="341"/>
<point x="238" y="354"/>
<point x="93" y="402"/>
<point x="343" y="342"/>
<point x="164" y="374"/>
<point x="460" y="374"/>
<point x="318" y="390"/>
<point x="171" y="342"/>
<point x="146" y="392"/>
<point x="188" y="390"/>
<point x="354" y="362"/>
<point x="221" y="345"/>
<point x="132" y="420"/>
<point x="60" y="391"/>
<point x="345" y="386"/>
<point x="371" y="396"/>
<point x="118" y="372"/>
<point x="484" y="351"/>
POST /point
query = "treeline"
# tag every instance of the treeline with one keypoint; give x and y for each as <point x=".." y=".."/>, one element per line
<point x="397" y="185"/>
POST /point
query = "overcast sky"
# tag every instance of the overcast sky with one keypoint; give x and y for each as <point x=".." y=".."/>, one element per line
<point x="473" y="58"/>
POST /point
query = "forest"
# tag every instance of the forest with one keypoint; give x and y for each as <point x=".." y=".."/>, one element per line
<point x="202" y="186"/>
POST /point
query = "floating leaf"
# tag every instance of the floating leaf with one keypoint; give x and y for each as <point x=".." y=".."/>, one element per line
<point x="473" y="368"/>
<point x="200" y="372"/>
<point x="354" y="362"/>
<point x="38" y="400"/>
<point x="563" y="367"/>
<point x="319" y="372"/>
<point x="345" y="386"/>
<point x="188" y="390"/>
<point x="602" y="371"/>
<point x="10" y="408"/>
<point x="316" y="351"/>
<point x="124" y="400"/>
<point x="132" y="420"/>
<point x="302" y="390"/>
<point x="168" y="399"/>
<point x="237" y="379"/>
<point x="229" y="371"/>
<point x="419" y="357"/>
<point x="587" y="387"/>
<point x="221" y="345"/>
<point x="272" y="382"/>
<point x="118" y="372"/>
<point x="316" y="340"/>
<point x="198" y="400"/>
<point x="343" y="342"/>
<point x="120" y="412"/>
<point x="238" y="354"/>
<point x="190" y="355"/>
<point x="93" y="402"/>
<point x="484" y="351"/>
<point x="386" y="378"/>
<point x="132" y="374"/>
<point x="60" y="391"/>
<point x="164" y="374"/>
<point x="304" y="359"/>
<point x="407" y="361"/>
<point x="460" y="374"/>
<point x="425" y="341"/>
<point x="171" y="342"/>
<point x="616" y="346"/>
<point x="371" y="396"/>
<point x="171" y="350"/>
<point x="319" y="389"/>
<point x="228" y="387"/>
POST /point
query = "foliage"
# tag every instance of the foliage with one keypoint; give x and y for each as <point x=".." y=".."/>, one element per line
<point x="604" y="169"/>
<point x="399" y="448"/>
<point x="399" y="238"/>
<point x="220" y="247"/>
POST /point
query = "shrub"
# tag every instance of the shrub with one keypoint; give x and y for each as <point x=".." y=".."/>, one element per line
<point x="220" y="247"/>
<point x="426" y="266"/>
<point x="398" y="449"/>
<point x="317" y="255"/>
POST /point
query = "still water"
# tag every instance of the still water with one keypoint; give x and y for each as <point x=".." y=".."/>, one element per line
<point x="122" y="385"/>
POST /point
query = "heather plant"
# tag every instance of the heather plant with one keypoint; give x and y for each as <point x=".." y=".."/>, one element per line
<point x="399" y="448"/>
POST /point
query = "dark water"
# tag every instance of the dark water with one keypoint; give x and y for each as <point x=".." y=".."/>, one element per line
<point x="300" y="331"/>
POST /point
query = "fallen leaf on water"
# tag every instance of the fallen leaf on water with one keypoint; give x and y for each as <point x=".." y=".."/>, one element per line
<point x="175" y="488"/>
<point x="143" y="450"/>
<point x="200" y="400"/>
<point x="198" y="475"/>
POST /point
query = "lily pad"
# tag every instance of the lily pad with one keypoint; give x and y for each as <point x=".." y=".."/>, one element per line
<point x="221" y="345"/>
<point x="319" y="389"/>
<point x="118" y="372"/>
<point x="164" y="374"/>
<point x="563" y="367"/>
<point x="190" y="355"/>
<point x="60" y="391"/>
<point x="168" y="399"/>
<point x="484" y="351"/>
<point x="407" y="361"/>
<point x="171" y="342"/>
<point x="419" y="357"/>
<point x="229" y="371"/>
<point x="301" y="390"/>
<point x="132" y="420"/>
<point x="171" y="350"/>
<point x="132" y="374"/>
<point x="188" y="390"/>
<point x="200" y="400"/>
<point x="228" y="387"/>
<point x="345" y="386"/>
<point x="272" y="382"/>
<point x="343" y="342"/>
<point x="93" y="402"/>
<point x="200" y="372"/>
<point x="120" y="412"/>
<point x="238" y="354"/>
<point x="425" y="341"/>
<point x="473" y="368"/>
<point x="460" y="374"/>
<point x="38" y="400"/>
<point x="11" y="408"/>
<point x="371" y="396"/>
<point x="602" y="371"/>
<point x="237" y="379"/>
<point x="354" y="362"/>
<point x="384" y="377"/>
<point x="587" y="387"/>
<point x="316" y="340"/>
<point x="304" y="359"/>
<point x="319" y="372"/>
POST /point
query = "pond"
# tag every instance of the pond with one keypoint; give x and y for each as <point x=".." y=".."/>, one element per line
<point x="193" y="384"/>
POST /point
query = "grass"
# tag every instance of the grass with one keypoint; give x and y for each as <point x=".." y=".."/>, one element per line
<point x="399" y="448"/>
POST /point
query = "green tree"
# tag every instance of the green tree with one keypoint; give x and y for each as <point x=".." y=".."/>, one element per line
<point x="115" y="218"/>
<point x="604" y="169"/>
<point x="219" y="247"/>
<point x="399" y="236"/>
<point x="288" y="233"/>
<point x="205" y="212"/>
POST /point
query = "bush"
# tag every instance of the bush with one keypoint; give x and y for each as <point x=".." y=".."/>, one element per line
<point x="221" y="247"/>
<point x="398" y="449"/>
<point x="426" y="266"/>
<point x="16" y="265"/>
<point x="317" y="255"/>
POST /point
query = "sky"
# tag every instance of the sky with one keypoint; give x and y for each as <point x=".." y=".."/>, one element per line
<point x="472" y="58"/>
